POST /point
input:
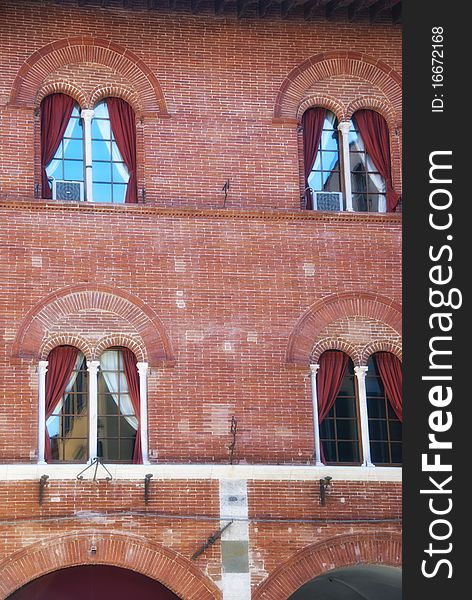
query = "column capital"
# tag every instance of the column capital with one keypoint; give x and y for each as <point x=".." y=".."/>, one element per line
<point x="92" y="366"/>
<point x="361" y="371"/>
<point x="142" y="368"/>
<point x="344" y="127"/>
<point x="314" y="368"/>
<point x="43" y="367"/>
<point x="87" y="114"/>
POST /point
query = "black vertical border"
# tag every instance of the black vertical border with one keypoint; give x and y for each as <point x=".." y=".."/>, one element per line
<point x="424" y="132"/>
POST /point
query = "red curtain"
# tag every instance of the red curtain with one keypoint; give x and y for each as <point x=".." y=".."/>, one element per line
<point x="56" y="111"/>
<point x="132" y="379"/>
<point x="312" y="122"/>
<point x="374" y="133"/>
<point x="333" y="364"/>
<point x="123" y="125"/>
<point x="61" y="361"/>
<point x="390" y="371"/>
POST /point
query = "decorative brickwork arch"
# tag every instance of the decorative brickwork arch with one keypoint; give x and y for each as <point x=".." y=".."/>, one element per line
<point x="380" y="346"/>
<point x="345" y="304"/>
<point x="327" y="102"/>
<point x="87" y="49"/>
<point x="66" y="339"/>
<point x="328" y="64"/>
<point x="64" y="87"/>
<point x="335" y="344"/>
<point x="128" y="551"/>
<point x="111" y="341"/>
<point x="376" y="104"/>
<point x="342" y="551"/>
<point x="32" y="336"/>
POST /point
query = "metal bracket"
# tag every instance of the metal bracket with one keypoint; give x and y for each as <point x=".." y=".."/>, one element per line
<point x="225" y="189"/>
<point x="325" y="484"/>
<point x="211" y="540"/>
<point x="233" y="431"/>
<point x="95" y="462"/>
<point x="147" y="487"/>
<point x="42" y="485"/>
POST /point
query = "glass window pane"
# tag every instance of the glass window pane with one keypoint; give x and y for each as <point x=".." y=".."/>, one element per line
<point x="75" y="129"/>
<point x="101" y="129"/>
<point x="348" y="452"/>
<point x="327" y="429"/>
<point x="375" y="183"/>
<point x="376" y="408"/>
<point x="101" y="171"/>
<point x="108" y="449"/>
<point x="101" y="150"/>
<point x="52" y="425"/>
<point x="75" y="450"/>
<point x="120" y="173"/>
<point x="347" y="387"/>
<point x="373" y="386"/>
<point x="331" y="182"/>
<point x="329" y="449"/>
<point x="374" y="202"/>
<point x="397" y="453"/>
<point x="395" y="430"/>
<point x="357" y="160"/>
<point x="315" y="181"/>
<point x="358" y="183"/>
<point x="108" y="426"/>
<point x="119" y="193"/>
<point x="73" y="170"/>
<point x="377" y="430"/>
<point x="330" y="160"/>
<point x="128" y="426"/>
<point x="329" y="141"/>
<point x="346" y="429"/>
<point x="74" y="149"/>
<point x="359" y="202"/>
<point x="379" y="453"/>
<point x="101" y="110"/>
<point x="102" y="192"/>
<point x="107" y="405"/>
<point x="346" y="407"/>
<point x="127" y="449"/>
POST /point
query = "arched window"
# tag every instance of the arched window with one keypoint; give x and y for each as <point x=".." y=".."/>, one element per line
<point x="117" y="418"/>
<point x="67" y="410"/>
<point x="357" y="410"/>
<point x="92" y="409"/>
<point x="362" y="179"/>
<point x="339" y="429"/>
<point x="385" y="428"/>
<point x="88" y="154"/>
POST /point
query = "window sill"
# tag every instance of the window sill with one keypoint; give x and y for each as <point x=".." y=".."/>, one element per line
<point x="15" y="472"/>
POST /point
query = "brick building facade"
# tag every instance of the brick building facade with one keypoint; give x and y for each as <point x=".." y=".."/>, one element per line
<point x="227" y="299"/>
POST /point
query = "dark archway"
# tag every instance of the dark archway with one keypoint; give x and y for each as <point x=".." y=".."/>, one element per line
<point x="359" y="582"/>
<point x="93" y="582"/>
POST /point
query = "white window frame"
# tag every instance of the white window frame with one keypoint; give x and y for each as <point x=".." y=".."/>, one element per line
<point x="93" y="367"/>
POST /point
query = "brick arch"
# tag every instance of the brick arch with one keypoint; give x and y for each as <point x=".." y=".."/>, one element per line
<point x="110" y="341"/>
<point x="87" y="49"/>
<point x="127" y="551"/>
<point x="328" y="102"/>
<point x="125" y="92"/>
<point x="335" y="344"/>
<point x="381" y="346"/>
<point x="328" y="64"/>
<point x="65" y="339"/>
<point x="377" y="105"/>
<point x="335" y="306"/>
<point x="71" y="300"/>
<point x="63" y="87"/>
<point x="341" y="551"/>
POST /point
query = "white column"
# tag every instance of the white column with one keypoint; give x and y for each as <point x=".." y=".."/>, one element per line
<point x="42" y="370"/>
<point x="316" y="422"/>
<point x="143" y="413"/>
<point x="344" y="127"/>
<point x="92" y="368"/>
<point x="360" y="374"/>
<point x="87" y="116"/>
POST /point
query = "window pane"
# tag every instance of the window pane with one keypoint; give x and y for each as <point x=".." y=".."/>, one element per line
<point x="101" y="129"/>
<point x="127" y="449"/>
<point x="379" y="453"/>
<point x="346" y="429"/>
<point x="395" y="430"/>
<point x="106" y="404"/>
<point x="348" y="452"/>
<point x="357" y="162"/>
<point x="102" y="192"/>
<point x="74" y="149"/>
<point x="378" y="430"/>
<point x="73" y="170"/>
<point x="359" y="202"/>
<point x="74" y="129"/>
<point x="109" y="449"/>
<point x="101" y="150"/>
<point x="315" y="181"/>
<point x="327" y="429"/>
<point x="119" y="193"/>
<point x="331" y="182"/>
<point x="347" y="387"/>
<point x="396" y="453"/>
<point x="345" y="407"/>
<point x="120" y="173"/>
<point x="75" y="450"/>
<point x="376" y="408"/>
<point x="108" y="427"/>
<point x="101" y="110"/>
<point x="330" y="160"/>
<point x="373" y="387"/>
<point x="375" y="183"/>
<point x="329" y="449"/>
<point x="101" y="171"/>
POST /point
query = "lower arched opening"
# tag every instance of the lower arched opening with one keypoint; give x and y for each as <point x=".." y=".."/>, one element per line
<point x="93" y="582"/>
<point x="359" y="582"/>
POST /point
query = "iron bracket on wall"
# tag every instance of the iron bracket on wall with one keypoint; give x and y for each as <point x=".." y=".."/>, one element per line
<point x="147" y="487"/>
<point x="325" y="484"/>
<point x="95" y="463"/>
<point x="42" y="485"/>
<point x="211" y="540"/>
